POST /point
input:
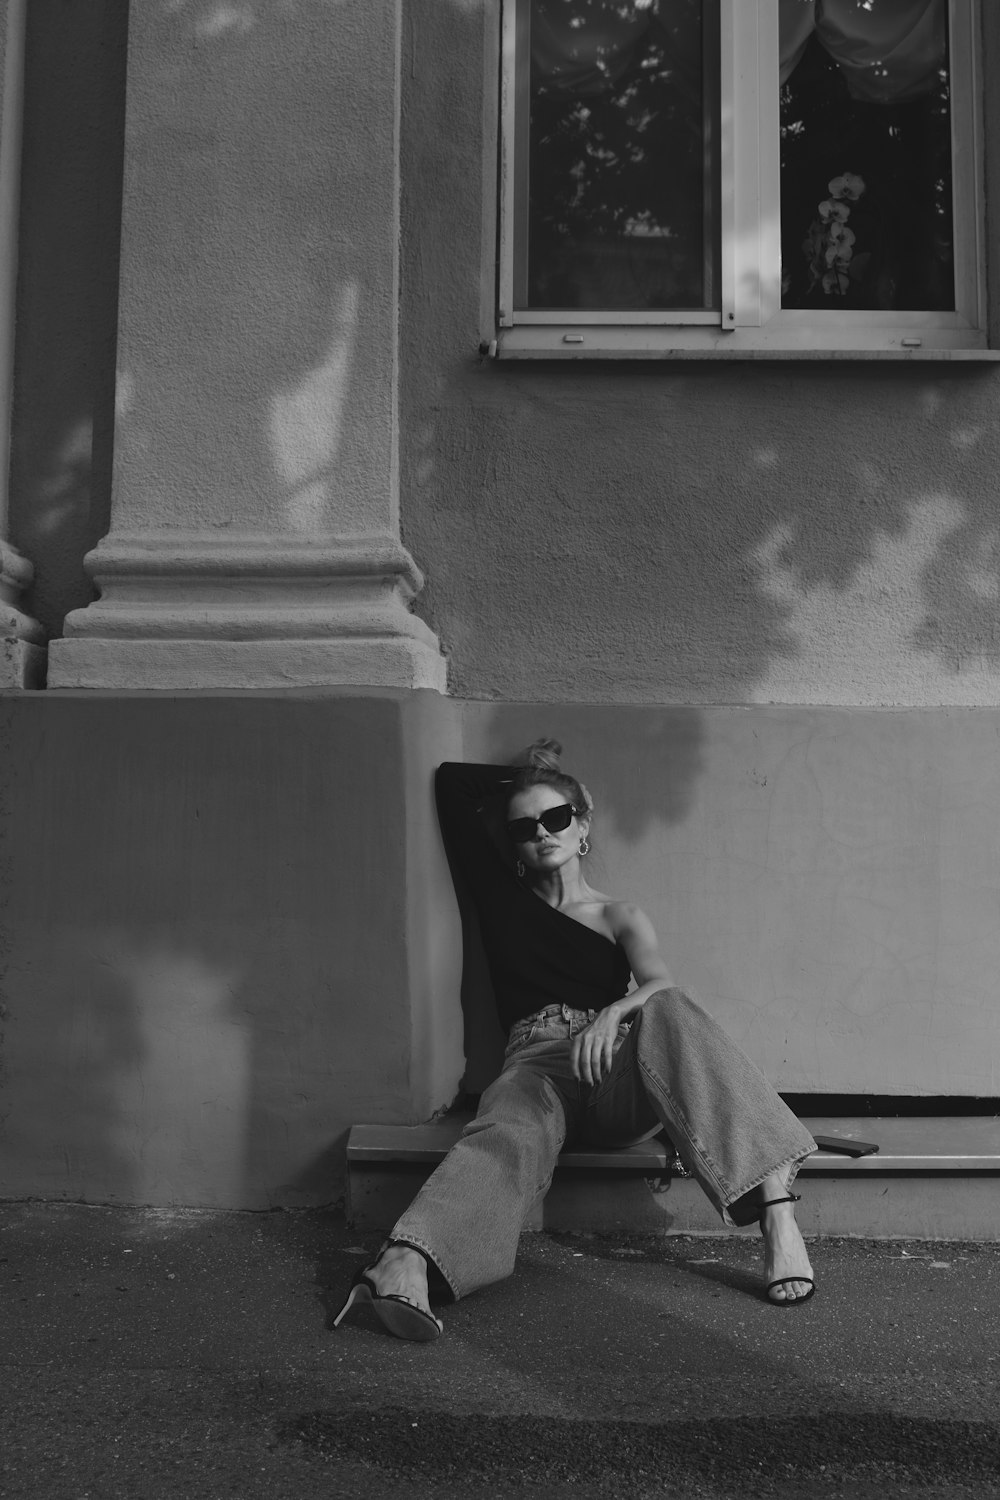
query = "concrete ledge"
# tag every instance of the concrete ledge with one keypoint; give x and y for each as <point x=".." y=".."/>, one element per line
<point x="932" y="1178"/>
<point x="416" y="1144"/>
<point x="942" y="1143"/>
<point x="958" y="1143"/>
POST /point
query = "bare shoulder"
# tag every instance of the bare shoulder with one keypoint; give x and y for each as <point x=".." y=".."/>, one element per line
<point x="628" y="920"/>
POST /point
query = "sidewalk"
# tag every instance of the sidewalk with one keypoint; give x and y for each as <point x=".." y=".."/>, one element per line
<point x="182" y="1354"/>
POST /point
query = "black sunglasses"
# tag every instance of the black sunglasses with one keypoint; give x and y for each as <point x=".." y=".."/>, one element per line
<point x="553" y="820"/>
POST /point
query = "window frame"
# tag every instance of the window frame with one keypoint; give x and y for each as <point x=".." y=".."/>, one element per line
<point x="751" y="322"/>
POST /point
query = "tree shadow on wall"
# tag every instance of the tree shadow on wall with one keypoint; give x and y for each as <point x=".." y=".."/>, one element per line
<point x="665" y="531"/>
<point x="879" y="562"/>
<point x="708" y="533"/>
<point x="615" y="533"/>
<point x="641" y="765"/>
<point x="693" y="533"/>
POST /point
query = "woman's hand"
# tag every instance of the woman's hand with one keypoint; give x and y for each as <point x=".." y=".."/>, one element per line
<point x="592" y="1051"/>
<point x="593" y="1048"/>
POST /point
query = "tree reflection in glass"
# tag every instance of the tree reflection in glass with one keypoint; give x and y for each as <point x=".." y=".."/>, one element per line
<point x="622" y="200"/>
<point x="623" y="104"/>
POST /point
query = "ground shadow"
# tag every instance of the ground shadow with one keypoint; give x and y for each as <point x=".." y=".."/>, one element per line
<point x="723" y="1453"/>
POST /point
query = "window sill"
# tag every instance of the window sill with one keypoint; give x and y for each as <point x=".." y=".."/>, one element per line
<point x="609" y="342"/>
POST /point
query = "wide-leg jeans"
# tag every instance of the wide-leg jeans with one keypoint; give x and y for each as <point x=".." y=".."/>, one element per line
<point x="673" y="1067"/>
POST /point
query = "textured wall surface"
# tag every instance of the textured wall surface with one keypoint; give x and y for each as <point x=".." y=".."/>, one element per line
<point x="824" y="880"/>
<point x="258" y="288"/>
<point x="229" y="932"/>
<point x="212" y="965"/>
<point x="67" y="295"/>
<point x="12" y="26"/>
<point x="695" y="533"/>
<point x="256" y="359"/>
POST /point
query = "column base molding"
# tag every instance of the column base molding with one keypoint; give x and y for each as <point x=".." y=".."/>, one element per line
<point x="22" y="639"/>
<point x="238" y="610"/>
<point x="22" y="665"/>
<point x="131" y="665"/>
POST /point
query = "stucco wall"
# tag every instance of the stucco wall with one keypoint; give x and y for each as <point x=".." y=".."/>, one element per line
<point x="693" y="533"/>
<point x="824" y="880"/>
<point x="690" y="534"/>
<point x="64" y="375"/>
<point x="256" y="340"/>
<point x="229" y="933"/>
<point x="256" y="380"/>
<point x="215" y="949"/>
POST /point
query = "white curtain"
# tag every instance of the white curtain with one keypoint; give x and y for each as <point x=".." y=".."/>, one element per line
<point x="888" y="50"/>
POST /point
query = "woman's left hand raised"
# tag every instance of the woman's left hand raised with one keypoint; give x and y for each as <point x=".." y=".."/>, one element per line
<point x="593" y="1048"/>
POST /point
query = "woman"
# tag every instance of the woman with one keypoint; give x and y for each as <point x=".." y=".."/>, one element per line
<point x="586" y="1060"/>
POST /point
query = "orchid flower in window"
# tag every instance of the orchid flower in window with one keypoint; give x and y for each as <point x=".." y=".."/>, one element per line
<point x="829" y="244"/>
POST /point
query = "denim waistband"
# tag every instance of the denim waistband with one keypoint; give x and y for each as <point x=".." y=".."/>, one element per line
<point x="567" y="1011"/>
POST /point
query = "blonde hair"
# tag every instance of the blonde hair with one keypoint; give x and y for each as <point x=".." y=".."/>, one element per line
<point x="541" y="768"/>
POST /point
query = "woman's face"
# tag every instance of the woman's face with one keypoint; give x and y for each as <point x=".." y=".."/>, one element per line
<point x="546" y="851"/>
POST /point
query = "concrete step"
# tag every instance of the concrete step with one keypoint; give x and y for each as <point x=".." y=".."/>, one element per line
<point x="933" y="1178"/>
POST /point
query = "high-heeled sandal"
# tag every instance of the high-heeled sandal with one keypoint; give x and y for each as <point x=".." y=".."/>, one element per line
<point x="784" y="1280"/>
<point x="399" y="1315"/>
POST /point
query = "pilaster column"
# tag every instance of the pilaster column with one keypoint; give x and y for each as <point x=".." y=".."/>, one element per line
<point x="22" y="655"/>
<point x="255" y="510"/>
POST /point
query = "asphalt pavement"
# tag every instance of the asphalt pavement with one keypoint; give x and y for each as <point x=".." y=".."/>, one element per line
<point x="189" y="1354"/>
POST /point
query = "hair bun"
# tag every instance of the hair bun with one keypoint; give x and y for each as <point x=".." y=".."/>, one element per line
<point x="544" y="754"/>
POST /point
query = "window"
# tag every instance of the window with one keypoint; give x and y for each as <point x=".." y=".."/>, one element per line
<point x="742" y="177"/>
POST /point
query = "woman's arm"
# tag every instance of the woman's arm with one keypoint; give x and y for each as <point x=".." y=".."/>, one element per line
<point x="470" y="804"/>
<point x="593" y="1049"/>
<point x="636" y="934"/>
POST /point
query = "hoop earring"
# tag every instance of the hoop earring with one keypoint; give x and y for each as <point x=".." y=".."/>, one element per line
<point x="584" y="848"/>
<point x="520" y="869"/>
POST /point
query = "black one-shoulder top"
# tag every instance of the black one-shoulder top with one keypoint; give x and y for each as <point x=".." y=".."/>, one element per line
<point x="537" y="955"/>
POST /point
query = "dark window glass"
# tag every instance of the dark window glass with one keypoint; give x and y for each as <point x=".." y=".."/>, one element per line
<point x="622" y="202"/>
<point x="866" y="180"/>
